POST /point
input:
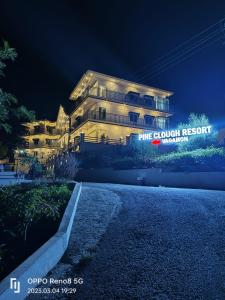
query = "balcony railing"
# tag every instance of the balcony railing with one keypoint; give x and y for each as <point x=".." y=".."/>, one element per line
<point x="114" y="119"/>
<point x="150" y="102"/>
<point x="38" y="145"/>
<point x="44" y="131"/>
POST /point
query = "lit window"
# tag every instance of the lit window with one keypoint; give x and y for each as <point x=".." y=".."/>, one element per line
<point x="161" y="103"/>
<point x="161" y="122"/>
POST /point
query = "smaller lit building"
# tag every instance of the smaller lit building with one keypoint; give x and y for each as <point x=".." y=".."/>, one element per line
<point x="41" y="138"/>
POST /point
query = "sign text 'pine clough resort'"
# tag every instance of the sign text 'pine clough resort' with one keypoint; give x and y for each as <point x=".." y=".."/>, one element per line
<point x="174" y="136"/>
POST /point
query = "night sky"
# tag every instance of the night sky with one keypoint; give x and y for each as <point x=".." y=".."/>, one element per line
<point x="57" y="41"/>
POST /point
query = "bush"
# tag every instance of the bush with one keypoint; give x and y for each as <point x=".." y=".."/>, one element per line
<point x="66" y="165"/>
<point x="30" y="214"/>
<point x="197" y="141"/>
<point x="207" y="159"/>
<point x="24" y="204"/>
<point x="34" y="168"/>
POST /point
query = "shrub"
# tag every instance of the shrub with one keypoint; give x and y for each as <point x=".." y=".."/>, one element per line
<point x="23" y="205"/>
<point x="207" y="159"/>
<point x="34" y="167"/>
<point x="197" y="141"/>
<point x="66" y="165"/>
<point x="25" y="210"/>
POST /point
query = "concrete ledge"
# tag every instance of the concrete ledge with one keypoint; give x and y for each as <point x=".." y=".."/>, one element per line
<point x="46" y="257"/>
<point x="156" y="177"/>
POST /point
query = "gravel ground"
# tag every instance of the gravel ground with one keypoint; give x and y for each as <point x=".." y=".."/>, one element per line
<point x="96" y="208"/>
<point x="164" y="243"/>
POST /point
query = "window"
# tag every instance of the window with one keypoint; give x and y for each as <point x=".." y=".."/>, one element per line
<point x="102" y="113"/>
<point x="102" y="91"/>
<point x="148" y="100"/>
<point x="50" y="129"/>
<point x="94" y="89"/>
<point x="148" y="119"/>
<point x="161" y="122"/>
<point x="161" y="103"/>
<point x="133" y="117"/>
<point x="35" y="153"/>
<point x="37" y="129"/>
<point x="132" y="97"/>
<point x="48" y="142"/>
<point x="36" y="141"/>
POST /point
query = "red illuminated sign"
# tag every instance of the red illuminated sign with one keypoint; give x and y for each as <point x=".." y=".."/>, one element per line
<point x="155" y="142"/>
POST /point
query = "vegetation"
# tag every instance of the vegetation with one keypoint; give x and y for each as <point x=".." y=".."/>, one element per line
<point x="200" y="153"/>
<point x="34" y="167"/>
<point x="30" y="214"/>
<point x="196" y="141"/>
<point x="66" y="165"/>
<point x="11" y="114"/>
<point x="207" y="159"/>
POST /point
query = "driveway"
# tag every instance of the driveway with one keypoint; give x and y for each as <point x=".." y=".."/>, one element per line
<point x="166" y="243"/>
<point x="162" y="243"/>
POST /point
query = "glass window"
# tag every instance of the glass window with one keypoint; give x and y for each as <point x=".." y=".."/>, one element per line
<point x="148" y="119"/>
<point x="148" y="100"/>
<point x="37" y="129"/>
<point x="132" y="97"/>
<point x="50" y="129"/>
<point x="48" y="142"/>
<point x="102" y="113"/>
<point x="162" y="103"/>
<point x="36" y="141"/>
<point x="101" y="91"/>
<point x="161" y="122"/>
<point x="133" y="117"/>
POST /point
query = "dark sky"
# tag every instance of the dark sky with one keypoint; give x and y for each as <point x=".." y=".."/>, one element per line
<point x="57" y="41"/>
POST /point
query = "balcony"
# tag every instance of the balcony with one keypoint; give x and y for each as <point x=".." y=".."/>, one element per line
<point x="104" y="117"/>
<point x="39" y="145"/>
<point x="149" y="102"/>
<point x="43" y="130"/>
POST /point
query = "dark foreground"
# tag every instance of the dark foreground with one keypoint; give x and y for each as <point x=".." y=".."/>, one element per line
<point x="163" y="244"/>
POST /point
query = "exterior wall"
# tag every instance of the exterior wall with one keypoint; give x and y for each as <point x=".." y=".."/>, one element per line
<point x="155" y="177"/>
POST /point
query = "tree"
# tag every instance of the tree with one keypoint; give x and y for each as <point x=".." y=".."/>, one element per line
<point x="197" y="141"/>
<point x="34" y="167"/>
<point x="11" y="114"/>
<point x="66" y="165"/>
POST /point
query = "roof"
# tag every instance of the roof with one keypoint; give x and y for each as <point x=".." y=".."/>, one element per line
<point x="38" y="122"/>
<point x="89" y="75"/>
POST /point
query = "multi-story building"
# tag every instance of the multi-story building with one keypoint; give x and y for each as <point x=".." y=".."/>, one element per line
<point x="111" y="108"/>
<point x="41" y="138"/>
<point x="107" y="110"/>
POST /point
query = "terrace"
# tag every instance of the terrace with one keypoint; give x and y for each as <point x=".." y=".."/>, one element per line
<point x="155" y="103"/>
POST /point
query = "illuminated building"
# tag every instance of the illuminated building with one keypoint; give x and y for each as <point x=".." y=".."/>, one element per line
<point x="110" y="109"/>
<point x="41" y="138"/>
<point x="107" y="110"/>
